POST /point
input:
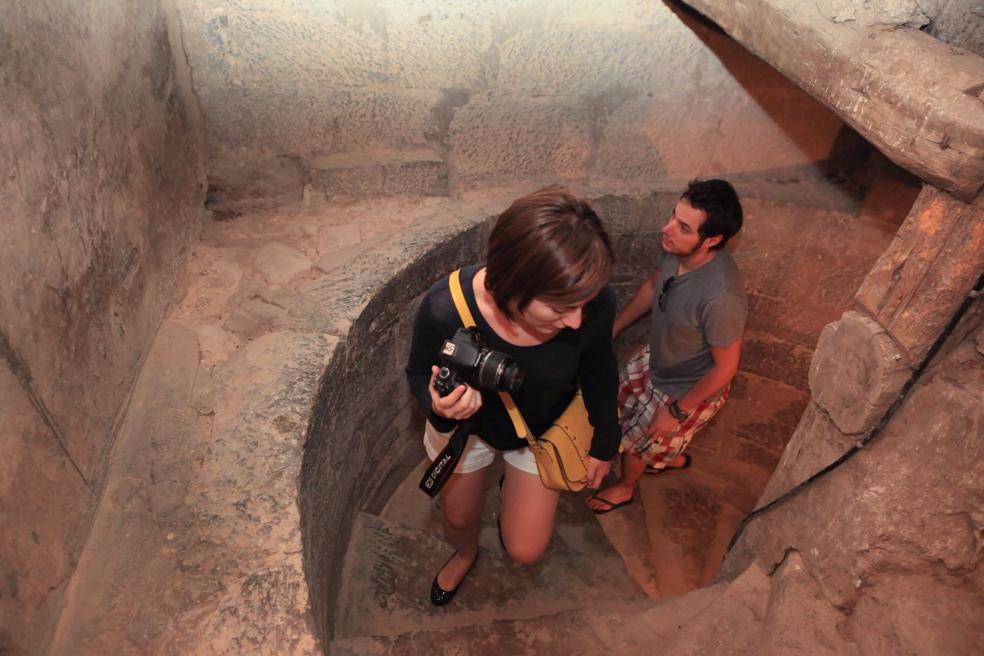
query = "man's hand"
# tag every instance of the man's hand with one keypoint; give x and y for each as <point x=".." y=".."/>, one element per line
<point x="663" y="424"/>
<point x="461" y="403"/>
<point x="597" y="470"/>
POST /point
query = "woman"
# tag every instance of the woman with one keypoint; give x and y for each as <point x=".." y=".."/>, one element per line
<point x="541" y="298"/>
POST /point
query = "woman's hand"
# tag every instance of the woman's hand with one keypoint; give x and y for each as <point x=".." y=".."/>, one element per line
<point x="461" y="403"/>
<point x="663" y="424"/>
<point x="597" y="470"/>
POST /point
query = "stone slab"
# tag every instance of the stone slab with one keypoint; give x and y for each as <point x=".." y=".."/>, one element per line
<point x="210" y="525"/>
<point x="38" y="552"/>
<point x="902" y="508"/>
<point x="299" y="121"/>
<point x="731" y="623"/>
<point x="857" y="373"/>
<point x="418" y="172"/>
<point x="603" y="627"/>
<point x="931" y="265"/>
<point x="815" y="444"/>
<point x="940" y="141"/>
<point x="910" y="612"/>
<point x="799" y="619"/>
<point x="389" y="569"/>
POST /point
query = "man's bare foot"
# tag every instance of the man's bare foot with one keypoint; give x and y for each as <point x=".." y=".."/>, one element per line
<point x="610" y="498"/>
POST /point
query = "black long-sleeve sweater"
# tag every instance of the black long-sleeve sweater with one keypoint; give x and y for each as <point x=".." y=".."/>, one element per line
<point x="553" y="370"/>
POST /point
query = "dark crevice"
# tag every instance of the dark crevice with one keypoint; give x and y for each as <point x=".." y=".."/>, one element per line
<point x="23" y="373"/>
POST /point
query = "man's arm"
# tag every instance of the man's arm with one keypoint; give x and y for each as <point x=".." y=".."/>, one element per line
<point x="641" y="303"/>
<point x="724" y="370"/>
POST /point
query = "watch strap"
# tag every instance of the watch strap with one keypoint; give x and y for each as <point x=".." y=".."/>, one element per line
<point x="677" y="412"/>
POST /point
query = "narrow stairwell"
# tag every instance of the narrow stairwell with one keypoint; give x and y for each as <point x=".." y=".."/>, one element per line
<point x="240" y="472"/>
<point x="579" y="599"/>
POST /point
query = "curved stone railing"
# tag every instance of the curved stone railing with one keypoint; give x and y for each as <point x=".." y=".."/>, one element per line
<point x="357" y="449"/>
<point x="355" y="452"/>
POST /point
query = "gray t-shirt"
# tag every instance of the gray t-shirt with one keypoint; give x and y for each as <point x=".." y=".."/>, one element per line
<point x="702" y="308"/>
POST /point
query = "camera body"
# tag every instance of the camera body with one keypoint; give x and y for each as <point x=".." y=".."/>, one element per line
<point x="465" y="359"/>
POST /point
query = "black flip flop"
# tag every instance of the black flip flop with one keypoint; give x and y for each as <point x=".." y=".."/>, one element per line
<point x="611" y="506"/>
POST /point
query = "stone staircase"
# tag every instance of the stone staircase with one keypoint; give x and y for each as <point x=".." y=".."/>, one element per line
<point x="197" y="545"/>
<point x="579" y="599"/>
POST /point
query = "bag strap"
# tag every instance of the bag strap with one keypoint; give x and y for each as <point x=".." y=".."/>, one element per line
<point x="458" y="295"/>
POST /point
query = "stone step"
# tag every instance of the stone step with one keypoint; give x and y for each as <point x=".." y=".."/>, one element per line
<point x="730" y="622"/>
<point x="385" y="172"/>
<point x="674" y="536"/>
<point x="564" y="633"/>
<point x="687" y="622"/>
<point x="411" y="507"/>
<point x="389" y="568"/>
<point x="626" y="531"/>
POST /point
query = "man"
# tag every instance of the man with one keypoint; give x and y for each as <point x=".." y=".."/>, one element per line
<point x="697" y="306"/>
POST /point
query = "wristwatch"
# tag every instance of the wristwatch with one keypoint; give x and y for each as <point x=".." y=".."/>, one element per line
<point x="677" y="412"/>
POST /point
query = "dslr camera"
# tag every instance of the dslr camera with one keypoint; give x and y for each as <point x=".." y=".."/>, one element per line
<point x="465" y="359"/>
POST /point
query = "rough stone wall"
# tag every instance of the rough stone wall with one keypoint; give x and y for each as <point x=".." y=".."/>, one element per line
<point x="957" y="22"/>
<point x="634" y="91"/>
<point x="103" y="157"/>
<point x="881" y="502"/>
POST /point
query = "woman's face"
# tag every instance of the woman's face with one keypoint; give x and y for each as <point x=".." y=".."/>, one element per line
<point x="549" y="318"/>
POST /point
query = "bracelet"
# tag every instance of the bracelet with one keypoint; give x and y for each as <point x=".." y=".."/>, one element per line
<point x="677" y="412"/>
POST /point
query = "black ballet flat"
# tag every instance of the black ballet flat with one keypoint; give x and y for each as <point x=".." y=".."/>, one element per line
<point x="439" y="596"/>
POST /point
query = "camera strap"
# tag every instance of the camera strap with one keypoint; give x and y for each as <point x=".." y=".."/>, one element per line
<point x="468" y="321"/>
<point x="443" y="466"/>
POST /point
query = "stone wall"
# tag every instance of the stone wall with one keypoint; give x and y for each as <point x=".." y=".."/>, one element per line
<point x="957" y="22"/>
<point x="435" y="96"/>
<point x="878" y="497"/>
<point x="103" y="153"/>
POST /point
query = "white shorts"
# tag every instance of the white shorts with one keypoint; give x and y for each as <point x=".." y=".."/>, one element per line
<point x="478" y="454"/>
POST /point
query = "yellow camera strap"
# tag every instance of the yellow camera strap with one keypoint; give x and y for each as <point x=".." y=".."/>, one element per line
<point x="458" y="296"/>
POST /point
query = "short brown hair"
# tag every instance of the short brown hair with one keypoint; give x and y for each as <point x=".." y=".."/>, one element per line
<point x="549" y="244"/>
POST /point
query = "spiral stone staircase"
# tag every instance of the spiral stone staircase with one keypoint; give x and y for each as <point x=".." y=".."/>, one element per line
<point x="271" y="438"/>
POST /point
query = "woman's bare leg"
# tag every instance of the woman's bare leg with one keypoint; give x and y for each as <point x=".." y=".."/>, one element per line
<point x="527" y="513"/>
<point x="462" y="499"/>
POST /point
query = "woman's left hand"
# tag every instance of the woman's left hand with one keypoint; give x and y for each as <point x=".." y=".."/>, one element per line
<point x="597" y="470"/>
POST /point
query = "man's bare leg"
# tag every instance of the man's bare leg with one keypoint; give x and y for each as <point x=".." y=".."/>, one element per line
<point x="622" y="491"/>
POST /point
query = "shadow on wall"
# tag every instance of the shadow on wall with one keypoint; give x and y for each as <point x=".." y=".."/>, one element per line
<point x="809" y="125"/>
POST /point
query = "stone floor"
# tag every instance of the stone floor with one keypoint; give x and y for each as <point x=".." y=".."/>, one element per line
<point x="691" y="515"/>
<point x="196" y="546"/>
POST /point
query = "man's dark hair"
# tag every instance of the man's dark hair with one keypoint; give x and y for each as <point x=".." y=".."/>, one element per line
<point x="548" y="245"/>
<point x="718" y="200"/>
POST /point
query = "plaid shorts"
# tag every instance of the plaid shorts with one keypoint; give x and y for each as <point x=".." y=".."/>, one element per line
<point x="639" y="402"/>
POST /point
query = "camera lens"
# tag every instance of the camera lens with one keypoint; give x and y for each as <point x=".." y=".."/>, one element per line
<point x="499" y="371"/>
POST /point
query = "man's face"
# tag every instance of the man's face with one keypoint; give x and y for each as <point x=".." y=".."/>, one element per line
<point x="681" y="234"/>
